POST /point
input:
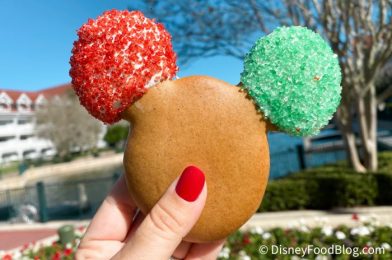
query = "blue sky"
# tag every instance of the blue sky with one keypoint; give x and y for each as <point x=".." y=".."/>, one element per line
<point x="36" y="39"/>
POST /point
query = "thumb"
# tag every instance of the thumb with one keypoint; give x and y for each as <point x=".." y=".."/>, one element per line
<point x="170" y="219"/>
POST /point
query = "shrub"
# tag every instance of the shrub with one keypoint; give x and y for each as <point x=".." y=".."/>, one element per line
<point x="384" y="183"/>
<point x="327" y="187"/>
<point x="285" y="194"/>
<point x="355" y="190"/>
<point x="385" y="162"/>
<point x="116" y="135"/>
<point x="341" y="190"/>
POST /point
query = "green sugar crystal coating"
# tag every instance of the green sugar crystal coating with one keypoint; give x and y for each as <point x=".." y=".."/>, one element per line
<point x="294" y="78"/>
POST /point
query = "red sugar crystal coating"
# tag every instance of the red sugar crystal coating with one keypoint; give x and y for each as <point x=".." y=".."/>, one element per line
<point x="116" y="58"/>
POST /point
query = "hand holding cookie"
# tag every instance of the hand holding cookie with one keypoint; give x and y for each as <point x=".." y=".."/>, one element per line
<point x="122" y="67"/>
<point x="113" y="234"/>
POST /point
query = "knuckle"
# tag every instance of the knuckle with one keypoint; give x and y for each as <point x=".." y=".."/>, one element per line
<point x="166" y="221"/>
<point x="79" y="255"/>
<point x="89" y="249"/>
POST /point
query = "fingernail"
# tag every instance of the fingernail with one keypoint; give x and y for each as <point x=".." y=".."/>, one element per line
<point x="190" y="184"/>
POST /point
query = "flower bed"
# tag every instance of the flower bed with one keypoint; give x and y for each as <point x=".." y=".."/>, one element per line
<point x="47" y="249"/>
<point x="34" y="251"/>
<point x="367" y="239"/>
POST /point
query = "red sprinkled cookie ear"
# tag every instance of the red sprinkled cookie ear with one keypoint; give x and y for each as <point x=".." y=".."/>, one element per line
<point x="116" y="58"/>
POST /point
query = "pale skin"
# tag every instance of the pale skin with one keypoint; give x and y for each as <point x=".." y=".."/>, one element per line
<point x="118" y="231"/>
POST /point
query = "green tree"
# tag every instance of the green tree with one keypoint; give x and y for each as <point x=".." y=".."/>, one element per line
<point x="116" y="135"/>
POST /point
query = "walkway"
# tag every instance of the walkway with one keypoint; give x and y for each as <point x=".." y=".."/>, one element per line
<point x="11" y="239"/>
<point x="13" y="236"/>
<point x="312" y="218"/>
<point x="62" y="169"/>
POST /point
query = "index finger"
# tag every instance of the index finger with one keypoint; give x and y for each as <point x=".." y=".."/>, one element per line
<point x="114" y="217"/>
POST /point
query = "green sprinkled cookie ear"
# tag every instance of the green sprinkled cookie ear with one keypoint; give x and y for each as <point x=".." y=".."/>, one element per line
<point x="294" y="78"/>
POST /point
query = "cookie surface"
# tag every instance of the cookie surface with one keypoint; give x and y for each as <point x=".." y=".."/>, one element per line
<point x="205" y="122"/>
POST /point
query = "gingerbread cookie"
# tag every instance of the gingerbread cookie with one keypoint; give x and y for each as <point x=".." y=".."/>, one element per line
<point x="122" y="67"/>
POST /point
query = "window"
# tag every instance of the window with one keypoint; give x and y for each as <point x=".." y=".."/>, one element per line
<point x="6" y="122"/>
<point x="8" y="157"/>
<point x="24" y="121"/>
<point x="23" y="103"/>
<point x="25" y="137"/>
<point x="5" y="102"/>
<point x="6" y="138"/>
<point x="40" y="102"/>
<point x="23" y="106"/>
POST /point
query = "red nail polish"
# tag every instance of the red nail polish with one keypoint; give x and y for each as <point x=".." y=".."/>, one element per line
<point x="190" y="184"/>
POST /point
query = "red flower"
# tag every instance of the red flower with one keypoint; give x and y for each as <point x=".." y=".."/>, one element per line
<point x="355" y="217"/>
<point x="246" y="240"/>
<point x="68" y="251"/>
<point x="36" y="257"/>
<point x="7" y="257"/>
<point x="81" y="228"/>
<point x="365" y="249"/>
<point x="56" y="256"/>
<point x="293" y="241"/>
<point x="25" y="246"/>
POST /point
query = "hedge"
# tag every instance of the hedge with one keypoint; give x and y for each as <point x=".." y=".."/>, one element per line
<point x="286" y="195"/>
<point x="384" y="183"/>
<point x="330" y="186"/>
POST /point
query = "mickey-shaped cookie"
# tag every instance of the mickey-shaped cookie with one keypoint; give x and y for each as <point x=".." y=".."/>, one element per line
<point x="122" y="68"/>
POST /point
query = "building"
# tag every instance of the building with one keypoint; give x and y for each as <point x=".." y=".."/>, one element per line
<point x="17" y="138"/>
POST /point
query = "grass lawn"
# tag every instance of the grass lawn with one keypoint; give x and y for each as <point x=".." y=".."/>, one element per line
<point x="9" y="168"/>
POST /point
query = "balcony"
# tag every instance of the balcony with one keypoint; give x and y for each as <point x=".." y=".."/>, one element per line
<point x="8" y="130"/>
<point x="16" y="130"/>
<point x="22" y="146"/>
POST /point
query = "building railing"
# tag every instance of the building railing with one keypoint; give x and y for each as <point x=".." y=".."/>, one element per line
<point x="53" y="201"/>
